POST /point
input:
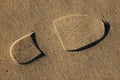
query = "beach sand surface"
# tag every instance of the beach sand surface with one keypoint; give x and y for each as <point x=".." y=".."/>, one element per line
<point x="21" y="17"/>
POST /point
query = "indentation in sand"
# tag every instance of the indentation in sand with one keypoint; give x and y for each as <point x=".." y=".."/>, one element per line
<point x="25" y="49"/>
<point x="76" y="31"/>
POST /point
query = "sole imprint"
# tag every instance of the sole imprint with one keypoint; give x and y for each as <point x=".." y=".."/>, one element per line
<point x="25" y="49"/>
<point x="75" y="31"/>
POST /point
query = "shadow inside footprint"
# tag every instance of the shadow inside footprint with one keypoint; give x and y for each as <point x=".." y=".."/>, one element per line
<point x="33" y="37"/>
<point x="26" y="49"/>
<point x="107" y="29"/>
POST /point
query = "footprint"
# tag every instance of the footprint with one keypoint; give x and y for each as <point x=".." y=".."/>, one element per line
<point x="77" y="32"/>
<point x="25" y="49"/>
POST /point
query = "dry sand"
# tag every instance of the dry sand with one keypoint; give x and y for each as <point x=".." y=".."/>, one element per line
<point x="24" y="50"/>
<point x="99" y="61"/>
<point x="76" y="31"/>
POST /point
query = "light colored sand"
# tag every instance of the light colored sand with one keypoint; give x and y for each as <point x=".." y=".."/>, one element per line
<point x="23" y="50"/>
<point x="76" y="31"/>
<point x="21" y="17"/>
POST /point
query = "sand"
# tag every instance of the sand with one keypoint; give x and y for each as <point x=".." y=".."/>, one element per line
<point x="98" y="61"/>
<point x="76" y="31"/>
<point x="24" y="50"/>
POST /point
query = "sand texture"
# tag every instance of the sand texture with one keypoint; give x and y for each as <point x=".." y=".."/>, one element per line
<point x="76" y="31"/>
<point x="24" y="50"/>
<point x="59" y="40"/>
